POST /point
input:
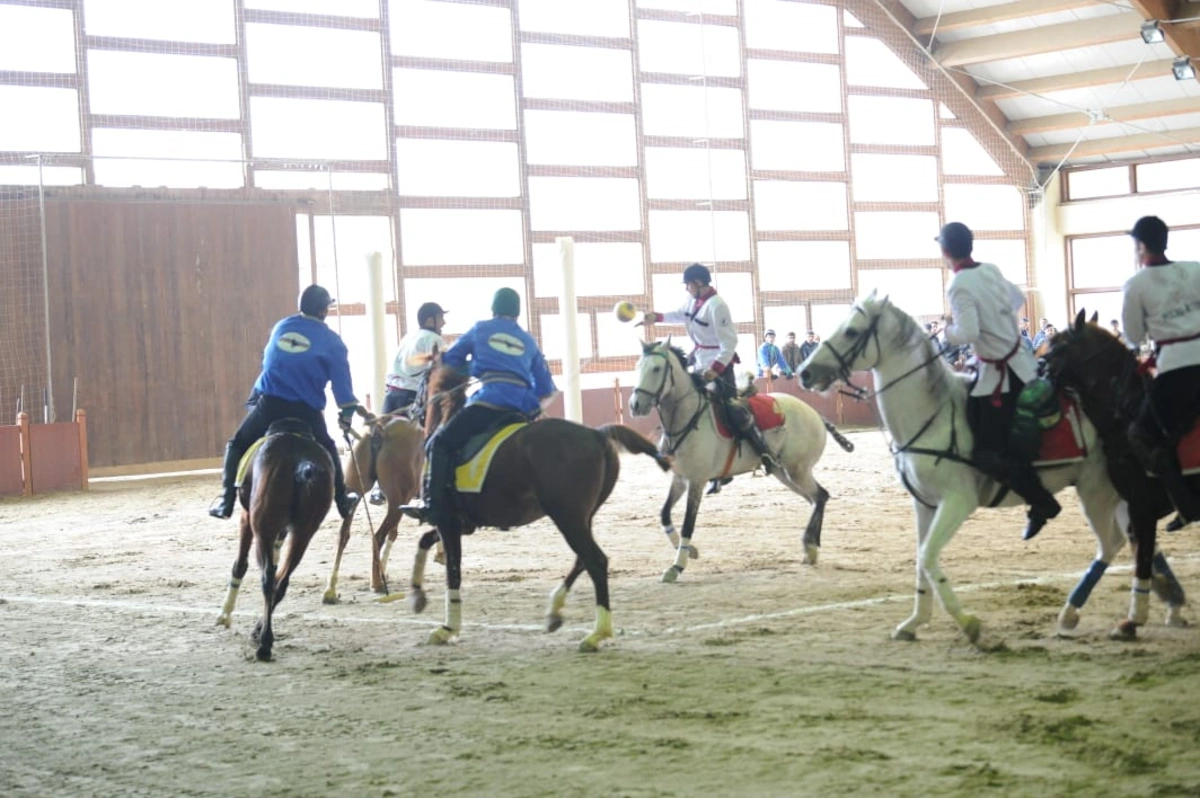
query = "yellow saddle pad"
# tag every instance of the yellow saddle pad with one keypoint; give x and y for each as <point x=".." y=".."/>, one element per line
<point x="247" y="459"/>
<point x="469" y="477"/>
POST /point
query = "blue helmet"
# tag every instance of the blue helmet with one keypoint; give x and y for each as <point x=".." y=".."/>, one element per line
<point x="697" y="271"/>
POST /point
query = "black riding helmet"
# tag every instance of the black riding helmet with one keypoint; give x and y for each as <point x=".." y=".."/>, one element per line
<point x="315" y="300"/>
<point x="697" y="271"/>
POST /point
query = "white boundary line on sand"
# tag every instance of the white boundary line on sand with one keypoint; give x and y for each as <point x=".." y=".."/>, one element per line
<point x="213" y="611"/>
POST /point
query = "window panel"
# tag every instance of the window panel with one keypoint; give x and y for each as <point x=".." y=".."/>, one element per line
<point x="584" y="203"/>
<point x="786" y="86"/>
<point x="787" y="25"/>
<point x="600" y="269"/>
<point x="1088" y="183"/>
<point x="225" y="171"/>
<point x="208" y="21"/>
<point x="297" y="180"/>
<point x="438" y="168"/>
<point x="735" y="287"/>
<point x="895" y="235"/>
<point x="432" y="29"/>
<point x="615" y="338"/>
<point x="870" y="62"/>
<point x="1108" y="304"/>
<point x="37" y="39"/>
<point x="894" y="178"/>
<point x="50" y="175"/>
<point x="685" y="111"/>
<point x="468" y="298"/>
<point x="150" y="84"/>
<point x="1185" y="243"/>
<point x="325" y="57"/>
<point x="797" y="146"/>
<point x="918" y="292"/>
<point x="576" y="73"/>
<point x="803" y="265"/>
<point x="363" y="9"/>
<point x="582" y="17"/>
<point x="725" y="7"/>
<point x="334" y="129"/>
<point x="747" y="351"/>
<point x="962" y="154"/>
<point x="355" y="237"/>
<point x="554" y="335"/>
<point x="1162" y="176"/>
<point x="428" y="98"/>
<point x="793" y="205"/>
<point x="687" y="236"/>
<point x="580" y="138"/>
<point x="685" y="48"/>
<point x="1008" y="255"/>
<point x="784" y="319"/>
<point x="693" y="173"/>
<point x="827" y="318"/>
<point x="39" y="120"/>
<point x="1102" y="262"/>
<point x="890" y="120"/>
<point x="985" y="207"/>
<point x="461" y="237"/>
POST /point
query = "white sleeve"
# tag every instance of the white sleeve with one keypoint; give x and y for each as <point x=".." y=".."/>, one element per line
<point x="676" y="316"/>
<point x="722" y="319"/>
<point x="1133" y="315"/>
<point x="964" y="324"/>
<point x="1016" y="296"/>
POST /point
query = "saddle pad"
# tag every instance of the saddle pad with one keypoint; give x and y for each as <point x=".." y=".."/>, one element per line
<point x="470" y="475"/>
<point x="247" y="459"/>
<point x="766" y="414"/>
<point x="1189" y="451"/>
<point x="1063" y="443"/>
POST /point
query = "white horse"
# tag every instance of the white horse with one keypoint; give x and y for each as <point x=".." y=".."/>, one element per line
<point x="690" y="436"/>
<point x="923" y="405"/>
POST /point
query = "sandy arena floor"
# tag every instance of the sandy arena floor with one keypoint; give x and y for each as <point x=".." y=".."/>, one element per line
<point x="755" y="675"/>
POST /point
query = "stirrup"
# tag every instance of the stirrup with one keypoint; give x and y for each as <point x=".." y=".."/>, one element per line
<point x="1177" y="523"/>
<point x="377" y="497"/>
<point x="418" y="510"/>
<point x="222" y="508"/>
<point x="770" y="464"/>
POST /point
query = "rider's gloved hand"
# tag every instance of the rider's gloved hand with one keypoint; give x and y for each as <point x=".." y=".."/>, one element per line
<point x="345" y="416"/>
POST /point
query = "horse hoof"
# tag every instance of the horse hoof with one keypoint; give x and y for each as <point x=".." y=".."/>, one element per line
<point x="904" y="636"/>
<point x="263" y="655"/>
<point x="1176" y="620"/>
<point x="693" y="553"/>
<point x="417" y="600"/>
<point x="1068" y="619"/>
<point x="588" y="646"/>
<point x="330" y="597"/>
<point x="671" y="575"/>
<point x="380" y="589"/>
<point x="553" y="623"/>
<point x="810" y="554"/>
<point x="971" y="627"/>
<point x="440" y="636"/>
<point x="223" y="620"/>
<point x="1125" y="630"/>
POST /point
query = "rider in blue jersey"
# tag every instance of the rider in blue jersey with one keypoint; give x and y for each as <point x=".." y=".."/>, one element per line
<point x="514" y="377"/>
<point x="300" y="358"/>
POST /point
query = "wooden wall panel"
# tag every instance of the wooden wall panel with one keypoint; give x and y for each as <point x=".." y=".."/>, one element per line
<point x="55" y="462"/>
<point x="12" y="480"/>
<point x="161" y="310"/>
<point x="22" y="316"/>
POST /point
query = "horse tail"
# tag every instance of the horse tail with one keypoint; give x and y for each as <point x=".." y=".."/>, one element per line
<point x="634" y="442"/>
<point x="839" y="437"/>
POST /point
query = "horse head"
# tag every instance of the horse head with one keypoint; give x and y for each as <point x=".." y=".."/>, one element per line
<point x="444" y="393"/>
<point x="660" y="371"/>
<point x="1093" y="362"/>
<point x="860" y="343"/>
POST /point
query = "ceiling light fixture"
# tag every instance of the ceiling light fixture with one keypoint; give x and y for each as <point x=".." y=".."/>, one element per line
<point x="1152" y="32"/>
<point x="1183" y="69"/>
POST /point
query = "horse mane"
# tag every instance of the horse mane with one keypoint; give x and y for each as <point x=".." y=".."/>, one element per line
<point x="443" y="395"/>
<point x="942" y="379"/>
<point x="1126" y="386"/>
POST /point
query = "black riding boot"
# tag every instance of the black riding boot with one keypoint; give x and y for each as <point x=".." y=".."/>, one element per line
<point x="743" y="419"/>
<point x="344" y="500"/>
<point x="223" y="507"/>
<point x="434" y="504"/>
<point x="1022" y="478"/>
<point x="1164" y="464"/>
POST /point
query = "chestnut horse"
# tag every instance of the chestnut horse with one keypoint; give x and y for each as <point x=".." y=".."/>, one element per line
<point x="286" y="492"/>
<point x="552" y="468"/>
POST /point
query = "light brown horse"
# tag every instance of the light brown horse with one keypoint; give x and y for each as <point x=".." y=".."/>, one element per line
<point x="286" y="493"/>
<point x="392" y="455"/>
<point x="551" y="468"/>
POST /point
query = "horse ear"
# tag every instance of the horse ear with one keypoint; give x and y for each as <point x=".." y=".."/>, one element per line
<point x="1080" y="318"/>
<point x="647" y="346"/>
<point x="871" y="296"/>
<point x="1095" y="316"/>
<point x="667" y="343"/>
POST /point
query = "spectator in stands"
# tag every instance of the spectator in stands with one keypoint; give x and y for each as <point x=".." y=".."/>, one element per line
<point x="809" y="346"/>
<point x="770" y="358"/>
<point x="792" y="353"/>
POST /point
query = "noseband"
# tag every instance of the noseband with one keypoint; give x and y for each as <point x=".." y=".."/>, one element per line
<point x="673" y="439"/>
<point x="668" y="377"/>
<point x="856" y="350"/>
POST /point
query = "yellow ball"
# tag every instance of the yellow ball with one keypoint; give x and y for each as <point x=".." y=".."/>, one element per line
<point x="625" y="311"/>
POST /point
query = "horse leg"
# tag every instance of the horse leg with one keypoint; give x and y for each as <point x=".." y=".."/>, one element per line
<point x="385" y="550"/>
<point x="558" y="597"/>
<point x="1143" y="533"/>
<point x="239" y="570"/>
<point x="683" y="553"/>
<point x="1107" y="522"/>
<point x="678" y="486"/>
<point x="817" y="496"/>
<point x="266" y="638"/>
<point x="1169" y="590"/>
<point x="417" y="598"/>
<point x="948" y="517"/>
<point x="331" y="595"/>
<point x="452" y="541"/>
<point x="577" y="531"/>
<point x="300" y="538"/>
<point x="386" y="527"/>
<point x="923" y="606"/>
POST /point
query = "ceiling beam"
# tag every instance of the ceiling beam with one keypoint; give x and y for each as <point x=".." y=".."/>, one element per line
<point x="1050" y="38"/>
<point x="1183" y="39"/>
<point x="1077" y="80"/>
<point x="973" y="17"/>
<point x="1121" y="113"/>
<point x="1141" y="141"/>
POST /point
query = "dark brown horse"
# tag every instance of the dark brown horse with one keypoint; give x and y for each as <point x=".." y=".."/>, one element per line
<point x="286" y="493"/>
<point x="1095" y="364"/>
<point x="551" y="468"/>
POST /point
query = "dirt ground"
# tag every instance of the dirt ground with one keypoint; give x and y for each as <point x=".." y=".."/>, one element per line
<point x="754" y="675"/>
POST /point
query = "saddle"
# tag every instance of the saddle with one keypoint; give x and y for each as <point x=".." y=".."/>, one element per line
<point x="473" y="461"/>
<point x="282" y="426"/>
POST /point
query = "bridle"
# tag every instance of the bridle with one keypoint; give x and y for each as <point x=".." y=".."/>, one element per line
<point x="859" y="348"/>
<point x="656" y="400"/>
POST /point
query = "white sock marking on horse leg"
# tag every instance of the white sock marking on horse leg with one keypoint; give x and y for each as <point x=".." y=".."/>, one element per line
<point x="558" y="599"/>
<point x="454" y="610"/>
<point x="418" y="571"/>
<point x="672" y="536"/>
<point x="681" y="553"/>
<point x="602" y="631"/>
<point x="384" y="554"/>
<point x="231" y="595"/>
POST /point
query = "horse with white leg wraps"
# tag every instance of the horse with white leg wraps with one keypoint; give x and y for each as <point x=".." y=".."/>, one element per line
<point x="923" y="406"/>
<point x="693" y="436"/>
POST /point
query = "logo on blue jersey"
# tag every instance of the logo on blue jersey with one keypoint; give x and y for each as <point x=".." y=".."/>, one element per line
<point x="293" y="343"/>
<point x="506" y="344"/>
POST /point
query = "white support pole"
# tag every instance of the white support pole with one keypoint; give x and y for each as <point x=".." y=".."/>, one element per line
<point x="377" y="318"/>
<point x="572" y="395"/>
